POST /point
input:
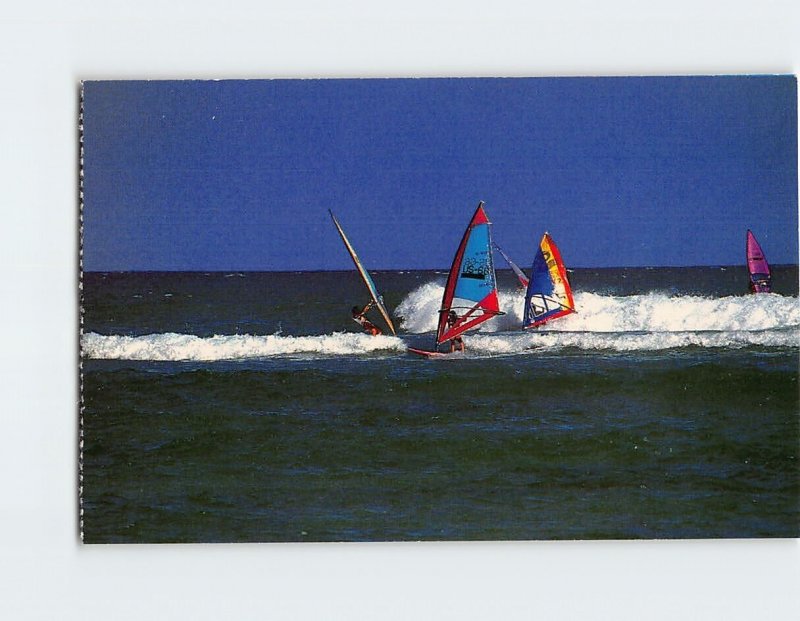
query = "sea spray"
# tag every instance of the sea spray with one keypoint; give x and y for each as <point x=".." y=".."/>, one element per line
<point x="234" y="347"/>
<point x="649" y="322"/>
<point x="419" y="310"/>
<point x="651" y="312"/>
<point x="537" y="341"/>
<point x="207" y="330"/>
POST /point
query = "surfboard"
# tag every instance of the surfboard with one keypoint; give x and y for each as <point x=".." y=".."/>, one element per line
<point x="549" y="293"/>
<point x="427" y="354"/>
<point x="757" y="266"/>
<point x="377" y="299"/>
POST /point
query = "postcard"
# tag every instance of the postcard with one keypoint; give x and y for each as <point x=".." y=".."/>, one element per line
<point x="464" y="309"/>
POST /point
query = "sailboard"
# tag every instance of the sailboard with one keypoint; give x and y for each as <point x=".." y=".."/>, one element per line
<point x="523" y="280"/>
<point x="471" y="288"/>
<point x="427" y="354"/>
<point x="549" y="294"/>
<point x="377" y="299"/>
<point x="757" y="266"/>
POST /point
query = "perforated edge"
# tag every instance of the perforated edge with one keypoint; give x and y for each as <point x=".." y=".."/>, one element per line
<point x="80" y="313"/>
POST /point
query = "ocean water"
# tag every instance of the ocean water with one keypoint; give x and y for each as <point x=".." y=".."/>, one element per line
<point x="223" y="407"/>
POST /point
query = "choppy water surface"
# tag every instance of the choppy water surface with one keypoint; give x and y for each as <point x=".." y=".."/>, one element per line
<point x="247" y="407"/>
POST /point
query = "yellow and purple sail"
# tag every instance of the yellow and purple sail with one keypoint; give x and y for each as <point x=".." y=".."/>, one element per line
<point x="757" y="266"/>
<point x="471" y="289"/>
<point x="549" y="294"/>
<point x="377" y="299"/>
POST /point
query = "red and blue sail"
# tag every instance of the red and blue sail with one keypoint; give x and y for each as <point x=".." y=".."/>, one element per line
<point x="471" y="288"/>
<point x="757" y="266"/>
<point x="549" y="294"/>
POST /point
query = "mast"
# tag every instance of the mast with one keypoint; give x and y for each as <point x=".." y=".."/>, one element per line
<point x="471" y="285"/>
<point x="373" y="291"/>
<point x="523" y="280"/>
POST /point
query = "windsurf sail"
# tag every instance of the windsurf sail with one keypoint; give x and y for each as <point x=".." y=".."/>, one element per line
<point x="549" y="294"/>
<point x="377" y="299"/>
<point x="757" y="266"/>
<point x="471" y="289"/>
<point x="523" y="280"/>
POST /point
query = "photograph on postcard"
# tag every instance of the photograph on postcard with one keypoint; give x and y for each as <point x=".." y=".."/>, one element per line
<point x="439" y="309"/>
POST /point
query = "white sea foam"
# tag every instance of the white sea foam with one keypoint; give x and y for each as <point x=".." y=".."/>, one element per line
<point x="530" y="342"/>
<point x="649" y="322"/>
<point x="420" y="308"/>
<point x="651" y="312"/>
<point x="652" y="321"/>
<point x="173" y="346"/>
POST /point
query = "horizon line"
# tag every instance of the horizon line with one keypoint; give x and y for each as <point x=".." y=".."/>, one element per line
<point x="407" y="269"/>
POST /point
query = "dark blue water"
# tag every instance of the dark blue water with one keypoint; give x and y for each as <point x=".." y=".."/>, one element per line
<point x="247" y="407"/>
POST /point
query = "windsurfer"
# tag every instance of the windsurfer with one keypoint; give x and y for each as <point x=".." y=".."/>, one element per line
<point x="760" y="286"/>
<point x="456" y="342"/>
<point x="360" y="317"/>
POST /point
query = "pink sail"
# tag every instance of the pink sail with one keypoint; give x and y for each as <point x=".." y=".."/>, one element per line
<point x="757" y="266"/>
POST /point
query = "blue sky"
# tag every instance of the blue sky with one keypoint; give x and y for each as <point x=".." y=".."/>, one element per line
<point x="239" y="175"/>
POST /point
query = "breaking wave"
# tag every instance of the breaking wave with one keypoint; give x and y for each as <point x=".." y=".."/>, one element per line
<point x="651" y="312"/>
<point x="652" y="321"/>
<point x="189" y="347"/>
<point x="530" y="342"/>
<point x="648" y="322"/>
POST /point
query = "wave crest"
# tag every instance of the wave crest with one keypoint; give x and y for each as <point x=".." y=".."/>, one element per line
<point x="653" y="321"/>
<point x="173" y="346"/>
<point x="651" y="312"/>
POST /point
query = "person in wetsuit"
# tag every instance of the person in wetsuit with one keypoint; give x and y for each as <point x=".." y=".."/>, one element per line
<point x="360" y="317"/>
<point x="456" y="342"/>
